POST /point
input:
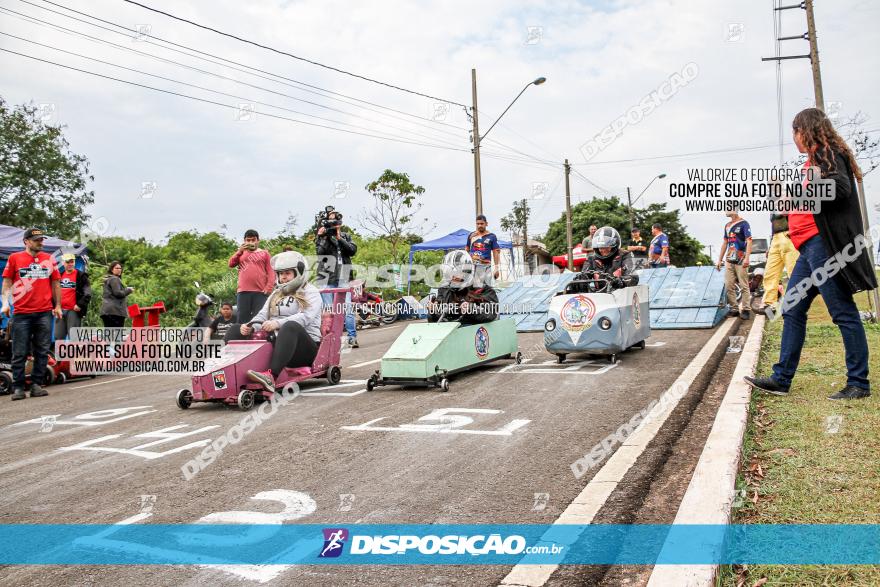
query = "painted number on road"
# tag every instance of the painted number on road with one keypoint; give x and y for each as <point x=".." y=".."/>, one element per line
<point x="444" y="421"/>
<point x="98" y="418"/>
<point x="163" y="436"/>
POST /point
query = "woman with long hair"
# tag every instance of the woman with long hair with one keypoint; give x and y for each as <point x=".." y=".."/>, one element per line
<point x="832" y="232"/>
<point x="113" y="307"/>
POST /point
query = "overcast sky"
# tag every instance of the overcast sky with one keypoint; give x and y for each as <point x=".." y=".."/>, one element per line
<point x="236" y="166"/>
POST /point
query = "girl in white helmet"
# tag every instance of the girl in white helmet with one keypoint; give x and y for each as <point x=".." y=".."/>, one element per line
<point x="293" y="313"/>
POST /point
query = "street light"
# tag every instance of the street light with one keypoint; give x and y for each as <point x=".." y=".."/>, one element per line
<point x="478" y="182"/>
<point x="632" y="221"/>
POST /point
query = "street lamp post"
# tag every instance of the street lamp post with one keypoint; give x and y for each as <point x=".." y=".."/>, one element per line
<point x="631" y="202"/>
<point x="478" y="183"/>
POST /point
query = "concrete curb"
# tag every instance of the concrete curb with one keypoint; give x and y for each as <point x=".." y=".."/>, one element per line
<point x="713" y="486"/>
<point x="591" y="499"/>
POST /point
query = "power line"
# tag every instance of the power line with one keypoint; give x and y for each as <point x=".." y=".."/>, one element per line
<point x="195" y="98"/>
<point x="315" y="89"/>
<point x="281" y="52"/>
<point x="248" y="100"/>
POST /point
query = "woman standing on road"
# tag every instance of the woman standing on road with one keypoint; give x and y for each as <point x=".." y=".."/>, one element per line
<point x="113" y="307"/>
<point x="818" y="237"/>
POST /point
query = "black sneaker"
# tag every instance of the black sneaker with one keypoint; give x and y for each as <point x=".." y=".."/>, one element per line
<point x="851" y="392"/>
<point x="38" y="391"/>
<point x="18" y="393"/>
<point x="353" y="342"/>
<point x="766" y="384"/>
<point x="745" y="314"/>
<point x="732" y="313"/>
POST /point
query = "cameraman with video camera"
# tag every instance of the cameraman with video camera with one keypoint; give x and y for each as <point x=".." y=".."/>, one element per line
<point x="335" y="249"/>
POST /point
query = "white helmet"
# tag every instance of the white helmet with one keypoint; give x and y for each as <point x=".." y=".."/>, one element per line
<point x="458" y="270"/>
<point x="290" y="261"/>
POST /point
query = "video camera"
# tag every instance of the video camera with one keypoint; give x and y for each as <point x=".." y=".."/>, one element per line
<point x="323" y="218"/>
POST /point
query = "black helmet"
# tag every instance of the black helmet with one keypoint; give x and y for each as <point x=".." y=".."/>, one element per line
<point x="606" y="237"/>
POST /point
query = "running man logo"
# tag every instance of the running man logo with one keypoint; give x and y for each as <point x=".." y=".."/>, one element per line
<point x="219" y="379"/>
<point x="334" y="541"/>
<point x="481" y="342"/>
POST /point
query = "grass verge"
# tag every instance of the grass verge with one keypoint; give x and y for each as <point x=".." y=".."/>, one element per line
<point x="808" y="460"/>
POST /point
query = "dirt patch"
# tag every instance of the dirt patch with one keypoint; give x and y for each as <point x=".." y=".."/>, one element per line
<point x="652" y="490"/>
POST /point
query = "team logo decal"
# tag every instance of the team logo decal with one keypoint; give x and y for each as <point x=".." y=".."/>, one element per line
<point x="219" y="379"/>
<point x="637" y="312"/>
<point x="481" y="342"/>
<point x="577" y="313"/>
<point x="334" y="541"/>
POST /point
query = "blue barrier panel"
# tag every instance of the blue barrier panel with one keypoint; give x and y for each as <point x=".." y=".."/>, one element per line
<point x="527" y="299"/>
<point x="685" y="297"/>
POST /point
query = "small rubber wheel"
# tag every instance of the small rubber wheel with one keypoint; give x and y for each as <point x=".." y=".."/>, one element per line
<point x="641" y="344"/>
<point x="245" y="399"/>
<point x="49" y="379"/>
<point x="518" y="358"/>
<point x="61" y="378"/>
<point x="184" y="399"/>
<point x="334" y="375"/>
<point x="560" y="358"/>
<point x="613" y="359"/>
<point x="371" y="385"/>
<point x="5" y="382"/>
<point x="444" y="384"/>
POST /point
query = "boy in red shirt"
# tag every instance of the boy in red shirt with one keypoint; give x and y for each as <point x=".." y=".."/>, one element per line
<point x="256" y="278"/>
<point x="33" y="280"/>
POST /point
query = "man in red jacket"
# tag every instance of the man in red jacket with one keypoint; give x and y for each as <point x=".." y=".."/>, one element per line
<point x="256" y="279"/>
<point x="33" y="280"/>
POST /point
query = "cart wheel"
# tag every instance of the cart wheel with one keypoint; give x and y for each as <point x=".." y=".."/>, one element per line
<point x="371" y="383"/>
<point x="184" y="399"/>
<point x="641" y="344"/>
<point x="246" y="399"/>
<point x="613" y="359"/>
<point x="518" y="358"/>
<point x="444" y="384"/>
<point x="5" y="382"/>
<point x="92" y="376"/>
<point x="61" y="379"/>
<point x="560" y="358"/>
<point x="50" y="377"/>
<point x="334" y="375"/>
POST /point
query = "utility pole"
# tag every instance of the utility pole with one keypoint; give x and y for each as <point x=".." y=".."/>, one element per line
<point x="632" y="216"/>
<point x="478" y="182"/>
<point x="814" y="55"/>
<point x="568" y="237"/>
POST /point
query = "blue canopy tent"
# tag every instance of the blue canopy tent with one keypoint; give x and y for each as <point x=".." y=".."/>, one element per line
<point x="452" y="241"/>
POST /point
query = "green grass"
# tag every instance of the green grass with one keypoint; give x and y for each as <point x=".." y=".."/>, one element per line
<point x="797" y="468"/>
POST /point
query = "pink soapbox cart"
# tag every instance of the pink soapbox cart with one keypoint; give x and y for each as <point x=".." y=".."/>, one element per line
<point x="226" y="381"/>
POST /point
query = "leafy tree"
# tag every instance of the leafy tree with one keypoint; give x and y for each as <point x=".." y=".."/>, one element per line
<point x="42" y="183"/>
<point x="683" y="249"/>
<point x="392" y="215"/>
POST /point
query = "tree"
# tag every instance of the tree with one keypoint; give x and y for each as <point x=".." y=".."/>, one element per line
<point x="42" y="183"/>
<point x="517" y="222"/>
<point x="683" y="249"/>
<point x="392" y="215"/>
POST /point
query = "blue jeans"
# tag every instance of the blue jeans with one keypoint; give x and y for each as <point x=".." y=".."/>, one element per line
<point x="327" y="299"/>
<point x="25" y="328"/>
<point x="844" y="314"/>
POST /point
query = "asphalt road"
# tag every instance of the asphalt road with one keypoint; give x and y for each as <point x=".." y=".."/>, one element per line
<point x="495" y="469"/>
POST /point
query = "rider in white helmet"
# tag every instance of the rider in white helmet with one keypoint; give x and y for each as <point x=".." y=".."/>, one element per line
<point x="461" y="296"/>
<point x="293" y="313"/>
<point x="610" y="260"/>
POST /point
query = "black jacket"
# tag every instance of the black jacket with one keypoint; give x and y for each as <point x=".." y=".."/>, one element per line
<point x="334" y="258"/>
<point x="483" y="305"/>
<point x="623" y="261"/>
<point x="83" y="292"/>
<point x="840" y="222"/>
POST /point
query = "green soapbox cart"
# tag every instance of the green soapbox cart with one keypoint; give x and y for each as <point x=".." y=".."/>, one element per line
<point x="426" y="354"/>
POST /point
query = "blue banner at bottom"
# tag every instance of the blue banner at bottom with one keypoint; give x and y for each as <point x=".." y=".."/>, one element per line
<point x="459" y="544"/>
